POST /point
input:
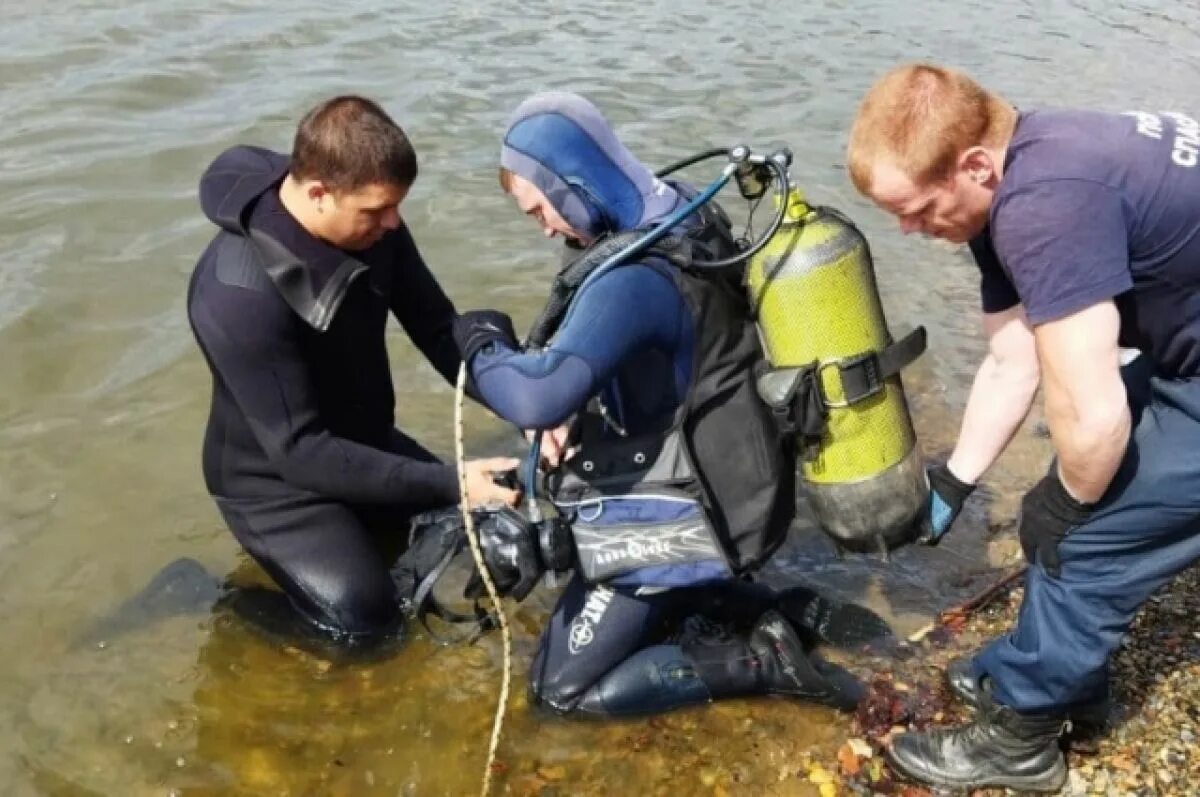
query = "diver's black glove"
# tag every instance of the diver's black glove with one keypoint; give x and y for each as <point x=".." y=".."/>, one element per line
<point x="510" y="551"/>
<point x="475" y="329"/>
<point x="1048" y="513"/>
<point x="946" y="498"/>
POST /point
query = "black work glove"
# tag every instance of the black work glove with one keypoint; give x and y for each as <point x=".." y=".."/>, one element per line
<point x="510" y="551"/>
<point x="946" y="498"/>
<point x="477" y="328"/>
<point x="1048" y="513"/>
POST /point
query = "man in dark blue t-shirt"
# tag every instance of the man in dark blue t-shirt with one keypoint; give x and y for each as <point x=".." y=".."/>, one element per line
<point x="1086" y="230"/>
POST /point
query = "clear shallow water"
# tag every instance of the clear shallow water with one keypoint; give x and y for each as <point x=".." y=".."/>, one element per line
<point x="107" y="117"/>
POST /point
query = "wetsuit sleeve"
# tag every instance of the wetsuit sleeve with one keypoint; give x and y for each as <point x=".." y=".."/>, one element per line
<point x="1065" y="245"/>
<point x="251" y="341"/>
<point x="632" y="308"/>
<point x="423" y="309"/>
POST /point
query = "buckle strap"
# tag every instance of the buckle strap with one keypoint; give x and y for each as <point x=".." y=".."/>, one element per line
<point x="864" y="375"/>
<point x="480" y="622"/>
<point x="794" y="397"/>
<point x="425" y="603"/>
<point x="424" y="590"/>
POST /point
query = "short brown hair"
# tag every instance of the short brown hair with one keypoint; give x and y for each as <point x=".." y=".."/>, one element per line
<point x="921" y="117"/>
<point x="349" y="142"/>
<point x="506" y="178"/>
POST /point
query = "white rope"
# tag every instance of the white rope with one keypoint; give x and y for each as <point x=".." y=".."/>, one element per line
<point x="477" y="553"/>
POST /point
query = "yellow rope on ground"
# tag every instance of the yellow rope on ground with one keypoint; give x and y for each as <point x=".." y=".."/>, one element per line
<point x="477" y="553"/>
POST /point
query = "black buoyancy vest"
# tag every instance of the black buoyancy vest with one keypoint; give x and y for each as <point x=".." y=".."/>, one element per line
<point x="723" y="447"/>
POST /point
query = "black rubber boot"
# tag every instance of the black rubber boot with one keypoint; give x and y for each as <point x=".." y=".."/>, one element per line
<point x="788" y="670"/>
<point x="663" y="677"/>
<point x="771" y="661"/>
<point x="843" y="624"/>
<point x="1087" y="719"/>
<point x="1001" y="748"/>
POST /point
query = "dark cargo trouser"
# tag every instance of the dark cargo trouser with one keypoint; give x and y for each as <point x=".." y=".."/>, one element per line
<point x="1145" y="530"/>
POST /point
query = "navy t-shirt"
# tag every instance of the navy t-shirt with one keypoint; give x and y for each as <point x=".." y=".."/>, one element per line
<point x="1096" y="206"/>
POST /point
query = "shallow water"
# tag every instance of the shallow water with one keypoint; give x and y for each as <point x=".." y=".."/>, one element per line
<point x="109" y="112"/>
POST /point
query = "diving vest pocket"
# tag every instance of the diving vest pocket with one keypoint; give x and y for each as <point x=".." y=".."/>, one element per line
<point x="654" y="527"/>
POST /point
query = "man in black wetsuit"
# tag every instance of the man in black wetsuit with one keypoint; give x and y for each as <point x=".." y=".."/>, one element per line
<point x="289" y="304"/>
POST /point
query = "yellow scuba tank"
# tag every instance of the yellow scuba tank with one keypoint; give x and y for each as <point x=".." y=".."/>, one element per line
<point x="813" y="290"/>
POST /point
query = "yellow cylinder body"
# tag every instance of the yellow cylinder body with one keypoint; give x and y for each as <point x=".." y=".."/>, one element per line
<point x="813" y="288"/>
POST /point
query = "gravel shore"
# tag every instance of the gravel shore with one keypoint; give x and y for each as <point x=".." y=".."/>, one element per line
<point x="1150" y="746"/>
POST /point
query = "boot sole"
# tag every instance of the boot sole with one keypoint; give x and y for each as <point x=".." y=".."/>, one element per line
<point x="1051" y="781"/>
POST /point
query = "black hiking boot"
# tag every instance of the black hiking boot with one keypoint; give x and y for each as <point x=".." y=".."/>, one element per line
<point x="788" y="670"/>
<point x="1001" y="748"/>
<point x="1088" y="720"/>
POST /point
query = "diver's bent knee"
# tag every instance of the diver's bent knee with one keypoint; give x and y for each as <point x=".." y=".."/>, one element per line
<point x="353" y="616"/>
<point x="282" y="617"/>
<point x="552" y="697"/>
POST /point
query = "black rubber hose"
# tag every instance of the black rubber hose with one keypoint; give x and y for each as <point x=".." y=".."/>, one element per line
<point x="686" y="162"/>
<point x="784" y="189"/>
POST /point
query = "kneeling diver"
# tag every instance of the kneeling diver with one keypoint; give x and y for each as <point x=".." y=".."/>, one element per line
<point x="680" y="484"/>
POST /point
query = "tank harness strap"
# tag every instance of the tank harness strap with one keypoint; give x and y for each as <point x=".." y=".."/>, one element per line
<point x="864" y="375"/>
<point x="798" y="399"/>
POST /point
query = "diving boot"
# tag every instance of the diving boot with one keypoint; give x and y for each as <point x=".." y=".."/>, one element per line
<point x="788" y="670"/>
<point x="842" y="624"/>
<point x="664" y="677"/>
<point x="1087" y="719"/>
<point x="1001" y="748"/>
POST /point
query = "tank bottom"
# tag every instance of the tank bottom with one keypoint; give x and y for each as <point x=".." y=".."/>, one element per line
<point x="874" y="514"/>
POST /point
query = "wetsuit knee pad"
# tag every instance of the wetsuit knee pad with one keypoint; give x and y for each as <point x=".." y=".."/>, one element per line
<point x="653" y="680"/>
<point x="592" y="631"/>
<point x="555" y="690"/>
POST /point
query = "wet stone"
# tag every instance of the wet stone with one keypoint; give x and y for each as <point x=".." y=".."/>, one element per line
<point x="1076" y="784"/>
<point x="553" y="773"/>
